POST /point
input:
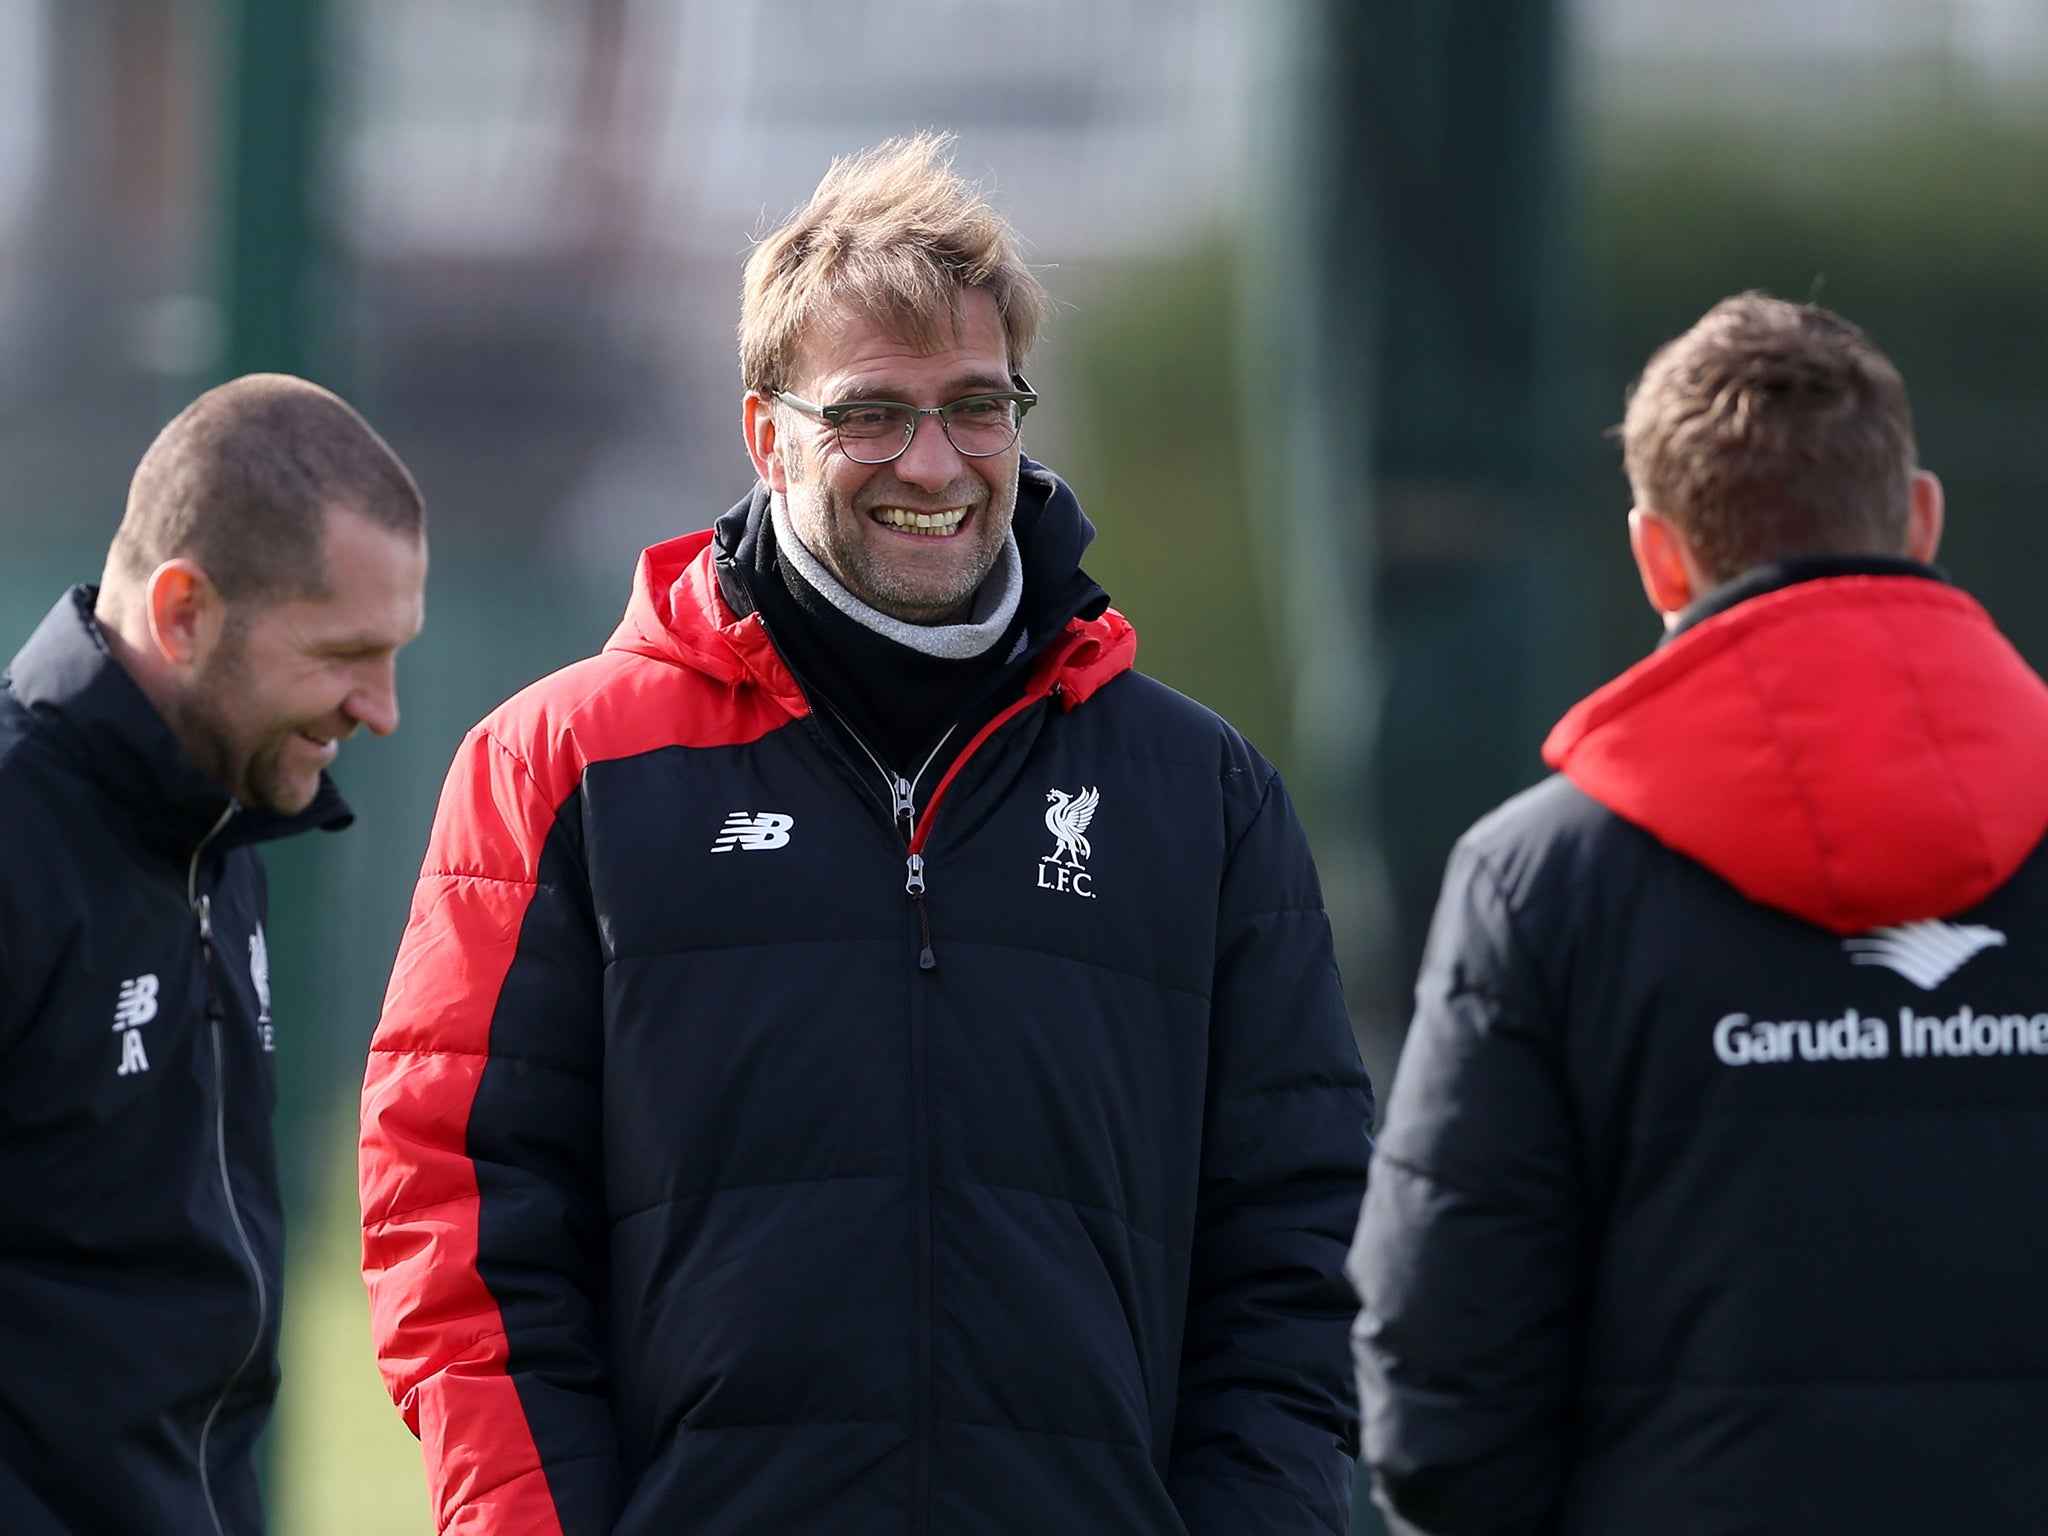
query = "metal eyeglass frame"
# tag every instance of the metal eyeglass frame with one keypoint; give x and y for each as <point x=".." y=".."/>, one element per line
<point x="1025" y="396"/>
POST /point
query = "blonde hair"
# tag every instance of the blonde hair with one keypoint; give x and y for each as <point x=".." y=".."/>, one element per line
<point x="895" y="233"/>
<point x="1772" y="430"/>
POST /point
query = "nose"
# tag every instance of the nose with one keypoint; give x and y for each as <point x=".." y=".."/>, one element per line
<point x="374" y="702"/>
<point x="931" y="462"/>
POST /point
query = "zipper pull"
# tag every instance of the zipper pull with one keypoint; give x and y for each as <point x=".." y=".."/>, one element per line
<point x="213" y="1007"/>
<point x="913" y="885"/>
<point x="906" y="811"/>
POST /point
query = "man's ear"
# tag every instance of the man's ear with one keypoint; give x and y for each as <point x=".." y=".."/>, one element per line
<point x="764" y="441"/>
<point x="1671" y="577"/>
<point x="185" y="611"/>
<point x="1924" y="513"/>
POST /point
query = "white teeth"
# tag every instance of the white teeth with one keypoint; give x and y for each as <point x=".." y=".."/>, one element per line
<point x="935" y="524"/>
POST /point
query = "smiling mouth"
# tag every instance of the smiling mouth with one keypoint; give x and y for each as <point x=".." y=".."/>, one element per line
<point x="932" y="525"/>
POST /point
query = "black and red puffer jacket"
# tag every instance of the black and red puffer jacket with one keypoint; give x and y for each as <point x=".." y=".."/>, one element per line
<point x="1709" y="1198"/>
<point x="742" y="1157"/>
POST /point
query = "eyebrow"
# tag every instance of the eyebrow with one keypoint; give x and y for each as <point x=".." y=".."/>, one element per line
<point x="969" y="384"/>
<point x="362" y="642"/>
<point x="354" y="645"/>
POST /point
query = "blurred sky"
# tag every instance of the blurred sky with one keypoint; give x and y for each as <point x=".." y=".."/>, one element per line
<point x="1771" y="43"/>
<point x="536" y="208"/>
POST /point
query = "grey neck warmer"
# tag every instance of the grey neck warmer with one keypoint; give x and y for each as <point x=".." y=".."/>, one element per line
<point x="995" y="600"/>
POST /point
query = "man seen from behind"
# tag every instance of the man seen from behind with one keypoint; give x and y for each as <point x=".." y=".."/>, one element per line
<point x="1708" y="1201"/>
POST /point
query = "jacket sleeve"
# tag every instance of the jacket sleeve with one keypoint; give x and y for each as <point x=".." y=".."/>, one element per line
<point x="483" y="1216"/>
<point x="1468" y="1257"/>
<point x="1266" y="1426"/>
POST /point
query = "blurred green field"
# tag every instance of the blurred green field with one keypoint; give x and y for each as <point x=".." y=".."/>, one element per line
<point x="343" y="1462"/>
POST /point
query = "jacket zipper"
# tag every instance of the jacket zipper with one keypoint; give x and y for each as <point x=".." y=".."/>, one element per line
<point x="903" y="812"/>
<point x="202" y="910"/>
<point x="216" y="1015"/>
<point x="916" y="834"/>
<point x="923" y="832"/>
<point x="921" y="1215"/>
<point x="913" y="878"/>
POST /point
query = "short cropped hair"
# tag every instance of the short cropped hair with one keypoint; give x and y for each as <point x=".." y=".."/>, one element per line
<point x="1769" y="431"/>
<point x="897" y="234"/>
<point x="242" y="481"/>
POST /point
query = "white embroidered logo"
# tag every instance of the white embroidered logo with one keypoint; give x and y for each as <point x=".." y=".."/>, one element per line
<point x="1925" y="953"/>
<point x="770" y="829"/>
<point x="135" y="1007"/>
<point x="1067" y="818"/>
<point x="259" y="973"/>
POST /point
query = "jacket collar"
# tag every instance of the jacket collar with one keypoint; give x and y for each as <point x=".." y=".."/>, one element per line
<point x="66" y="674"/>
<point x="692" y="604"/>
<point x="1779" y="574"/>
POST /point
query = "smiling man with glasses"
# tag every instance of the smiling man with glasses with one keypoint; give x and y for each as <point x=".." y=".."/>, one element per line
<point x="831" y="509"/>
<point x="865" y="1060"/>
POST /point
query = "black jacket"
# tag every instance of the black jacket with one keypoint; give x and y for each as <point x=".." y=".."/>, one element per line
<point x="139" y="1218"/>
<point x="715" y="1182"/>
<point x="1709" y="1199"/>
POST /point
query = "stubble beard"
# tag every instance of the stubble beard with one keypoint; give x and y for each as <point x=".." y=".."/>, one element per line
<point x="836" y="533"/>
<point x="208" y="722"/>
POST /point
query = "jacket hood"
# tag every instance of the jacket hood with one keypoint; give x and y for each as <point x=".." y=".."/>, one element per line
<point x="1858" y="750"/>
<point x="680" y="613"/>
<point x="677" y="614"/>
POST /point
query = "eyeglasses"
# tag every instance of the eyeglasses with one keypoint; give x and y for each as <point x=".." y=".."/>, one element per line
<point x="876" y="431"/>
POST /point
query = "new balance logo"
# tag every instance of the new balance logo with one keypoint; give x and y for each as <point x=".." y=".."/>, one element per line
<point x="1925" y="953"/>
<point x="770" y="829"/>
<point x="137" y="1003"/>
<point x="135" y="1007"/>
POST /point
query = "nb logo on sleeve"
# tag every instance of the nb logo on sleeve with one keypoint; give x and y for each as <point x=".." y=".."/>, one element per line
<point x="135" y="1007"/>
<point x="770" y="829"/>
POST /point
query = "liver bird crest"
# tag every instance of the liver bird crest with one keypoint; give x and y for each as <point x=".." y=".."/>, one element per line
<point x="1067" y="819"/>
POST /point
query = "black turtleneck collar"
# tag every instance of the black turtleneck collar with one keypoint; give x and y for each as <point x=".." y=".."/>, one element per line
<point x="1787" y="573"/>
<point x="66" y="673"/>
<point x="897" y="701"/>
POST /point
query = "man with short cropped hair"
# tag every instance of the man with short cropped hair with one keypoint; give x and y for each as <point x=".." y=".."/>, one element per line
<point x="1707" y="1202"/>
<point x="865" y="1061"/>
<point x="153" y="731"/>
